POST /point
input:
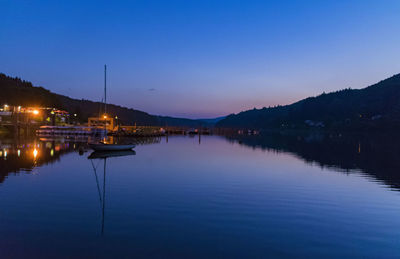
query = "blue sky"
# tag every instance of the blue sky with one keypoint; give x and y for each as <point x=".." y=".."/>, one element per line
<point x="201" y="58"/>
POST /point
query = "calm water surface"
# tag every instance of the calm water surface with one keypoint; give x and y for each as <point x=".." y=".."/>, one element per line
<point x="304" y="196"/>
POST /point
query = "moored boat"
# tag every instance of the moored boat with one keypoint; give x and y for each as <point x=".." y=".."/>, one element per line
<point x="103" y="145"/>
<point x="107" y="154"/>
<point x="110" y="147"/>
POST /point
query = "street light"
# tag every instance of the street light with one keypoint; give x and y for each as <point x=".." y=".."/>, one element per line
<point x="35" y="112"/>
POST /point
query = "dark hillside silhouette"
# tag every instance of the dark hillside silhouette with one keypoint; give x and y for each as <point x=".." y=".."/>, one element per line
<point x="374" y="107"/>
<point x="15" y="91"/>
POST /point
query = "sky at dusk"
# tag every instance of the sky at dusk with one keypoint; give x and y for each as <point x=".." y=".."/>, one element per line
<point x="200" y="59"/>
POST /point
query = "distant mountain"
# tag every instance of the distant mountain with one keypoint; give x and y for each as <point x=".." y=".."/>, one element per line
<point x="15" y="91"/>
<point x="374" y="107"/>
<point x="212" y="121"/>
<point x="171" y="121"/>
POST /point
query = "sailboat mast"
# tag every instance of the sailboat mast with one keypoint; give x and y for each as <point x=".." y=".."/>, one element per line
<point x="105" y="89"/>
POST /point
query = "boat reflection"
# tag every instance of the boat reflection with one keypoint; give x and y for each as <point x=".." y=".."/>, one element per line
<point x="104" y="155"/>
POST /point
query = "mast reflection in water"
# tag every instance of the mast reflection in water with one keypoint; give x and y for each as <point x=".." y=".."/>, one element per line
<point x="102" y="193"/>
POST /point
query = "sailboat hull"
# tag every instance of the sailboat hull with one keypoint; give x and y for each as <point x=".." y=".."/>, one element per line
<point x="110" y="147"/>
<point x="107" y="154"/>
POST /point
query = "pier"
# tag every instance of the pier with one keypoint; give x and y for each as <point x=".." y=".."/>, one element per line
<point x="51" y="122"/>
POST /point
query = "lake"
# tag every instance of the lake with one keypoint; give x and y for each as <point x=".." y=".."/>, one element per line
<point x="281" y="195"/>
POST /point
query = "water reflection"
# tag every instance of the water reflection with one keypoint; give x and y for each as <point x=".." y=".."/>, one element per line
<point x="25" y="154"/>
<point x="376" y="155"/>
<point x="104" y="155"/>
<point x="182" y="199"/>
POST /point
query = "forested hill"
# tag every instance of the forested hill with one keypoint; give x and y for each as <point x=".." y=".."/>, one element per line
<point x="373" y="107"/>
<point x="14" y="91"/>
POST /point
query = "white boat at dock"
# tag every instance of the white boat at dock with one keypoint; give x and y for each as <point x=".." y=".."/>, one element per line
<point x="68" y="130"/>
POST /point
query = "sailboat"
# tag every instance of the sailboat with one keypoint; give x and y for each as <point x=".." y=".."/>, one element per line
<point x="103" y="145"/>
